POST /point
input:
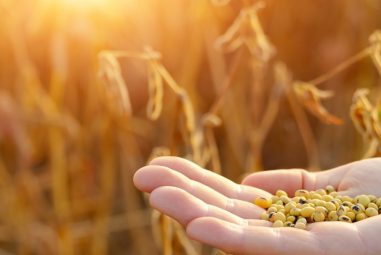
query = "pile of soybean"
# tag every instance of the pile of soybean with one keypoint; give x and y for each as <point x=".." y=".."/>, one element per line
<point x="317" y="206"/>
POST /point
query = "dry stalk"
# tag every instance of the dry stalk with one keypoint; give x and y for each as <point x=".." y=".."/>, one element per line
<point x="366" y="121"/>
<point x="341" y="67"/>
<point x="117" y="90"/>
<point x="159" y="76"/>
<point x="107" y="179"/>
<point x="258" y="137"/>
<point x="375" y="48"/>
<point x="211" y="153"/>
<point x="300" y="117"/>
<point x="247" y="31"/>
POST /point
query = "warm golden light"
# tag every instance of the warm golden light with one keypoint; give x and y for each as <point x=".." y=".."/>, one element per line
<point x="85" y="3"/>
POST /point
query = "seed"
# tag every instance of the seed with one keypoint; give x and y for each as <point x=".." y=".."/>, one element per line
<point x="342" y="210"/>
<point x="378" y="202"/>
<point x="321" y="192"/>
<point x="305" y="205"/>
<point x="347" y="204"/>
<point x="264" y="216"/>
<point x="278" y="224"/>
<point x="278" y="207"/>
<point x="327" y="198"/>
<point x="300" y="225"/>
<point x="318" y="202"/>
<point x="291" y="219"/>
<point x="317" y="216"/>
<point x="317" y="206"/>
<point x="373" y="205"/>
<point x="372" y="198"/>
<point x="272" y="209"/>
<point x="361" y="207"/>
<point x="351" y="215"/>
<point x="302" y="201"/>
<point x="336" y="203"/>
<point x="302" y="193"/>
<point x="330" y="206"/>
<point x="263" y="202"/>
<point x="289" y="206"/>
<point x="356" y="208"/>
<point x="274" y="199"/>
<point x="302" y="220"/>
<point x="315" y="196"/>
<point x="289" y="224"/>
<point x="307" y="211"/>
<point x="347" y="199"/>
<point x="370" y="212"/>
<point x="279" y="216"/>
<point x="295" y="199"/>
<point x="363" y="199"/>
<point x="360" y="216"/>
<point x="329" y="189"/>
<point x="344" y="218"/>
<point x="332" y="216"/>
<point x="321" y="209"/>
<point x="285" y="199"/>
<point x="279" y="202"/>
<point x="280" y="193"/>
<point x="295" y="212"/>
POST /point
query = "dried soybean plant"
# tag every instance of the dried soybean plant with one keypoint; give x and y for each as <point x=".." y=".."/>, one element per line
<point x="166" y="231"/>
<point x="246" y="30"/>
<point x="364" y="115"/>
<point x="366" y="120"/>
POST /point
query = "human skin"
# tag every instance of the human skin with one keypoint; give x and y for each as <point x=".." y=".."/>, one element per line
<point x="220" y="213"/>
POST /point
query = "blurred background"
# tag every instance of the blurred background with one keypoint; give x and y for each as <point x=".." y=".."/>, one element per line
<point x="91" y="90"/>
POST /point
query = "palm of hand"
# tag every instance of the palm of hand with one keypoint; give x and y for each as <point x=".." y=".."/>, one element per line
<point x="219" y="212"/>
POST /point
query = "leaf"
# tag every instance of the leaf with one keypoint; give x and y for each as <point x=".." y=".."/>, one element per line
<point x="311" y="97"/>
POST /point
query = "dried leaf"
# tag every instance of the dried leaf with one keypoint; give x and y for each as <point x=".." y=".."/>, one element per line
<point x="116" y="88"/>
<point x="310" y="97"/>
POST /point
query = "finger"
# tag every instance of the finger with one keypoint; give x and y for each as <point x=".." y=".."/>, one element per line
<point x="184" y="207"/>
<point x="339" y="237"/>
<point x="152" y="177"/>
<point x="291" y="180"/>
<point x="237" y="239"/>
<point x="213" y="180"/>
<point x="369" y="231"/>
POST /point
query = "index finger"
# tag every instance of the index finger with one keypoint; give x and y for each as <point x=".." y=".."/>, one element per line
<point x="211" y="179"/>
<point x="291" y="180"/>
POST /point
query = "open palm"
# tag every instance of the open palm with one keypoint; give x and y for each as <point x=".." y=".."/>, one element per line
<point x="219" y="212"/>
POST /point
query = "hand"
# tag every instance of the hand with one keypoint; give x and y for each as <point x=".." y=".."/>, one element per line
<point x="219" y="212"/>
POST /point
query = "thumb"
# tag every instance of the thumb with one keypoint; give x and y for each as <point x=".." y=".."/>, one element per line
<point x="287" y="180"/>
<point x="293" y="179"/>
